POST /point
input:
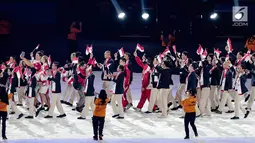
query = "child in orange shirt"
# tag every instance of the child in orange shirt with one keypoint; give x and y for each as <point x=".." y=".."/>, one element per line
<point x="3" y="101"/>
<point x="189" y="106"/>
<point x="99" y="115"/>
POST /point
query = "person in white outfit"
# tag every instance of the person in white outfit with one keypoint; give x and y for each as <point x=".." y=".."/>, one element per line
<point x="239" y="89"/>
<point x="55" y="78"/>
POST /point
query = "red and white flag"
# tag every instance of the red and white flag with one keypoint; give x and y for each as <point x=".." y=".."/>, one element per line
<point x="139" y="47"/>
<point x="49" y="60"/>
<point x="166" y="51"/>
<point x="89" y="49"/>
<point x="174" y="49"/>
<point x="217" y="52"/>
<point x="121" y="52"/>
<point x="229" y="44"/>
<point x="203" y="56"/>
<point x="37" y="47"/>
<point x="200" y="50"/>
<point x="247" y="56"/>
<point x="75" y="60"/>
<point x="160" y="58"/>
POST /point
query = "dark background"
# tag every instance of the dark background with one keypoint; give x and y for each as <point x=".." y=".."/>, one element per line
<point x="48" y="23"/>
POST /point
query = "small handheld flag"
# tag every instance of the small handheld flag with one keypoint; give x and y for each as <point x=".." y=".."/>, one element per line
<point x="121" y="52"/>
<point x="200" y="50"/>
<point x="49" y="60"/>
<point x="166" y="51"/>
<point x="139" y="47"/>
<point x="36" y="48"/>
<point x="229" y="44"/>
<point x="217" y="52"/>
<point x="174" y="49"/>
<point x="160" y="58"/>
<point x="203" y="56"/>
<point x="89" y="49"/>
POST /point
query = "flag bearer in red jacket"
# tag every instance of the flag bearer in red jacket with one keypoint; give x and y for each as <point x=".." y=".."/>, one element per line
<point x="146" y="86"/>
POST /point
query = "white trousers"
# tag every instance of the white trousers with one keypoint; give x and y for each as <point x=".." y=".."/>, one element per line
<point x="31" y="106"/>
<point x="153" y="98"/>
<point x="106" y="87"/>
<point x="117" y="98"/>
<point x="198" y="95"/>
<point x="89" y="102"/>
<point x="226" y="98"/>
<point x="163" y="100"/>
<point x="204" y="104"/>
<point x="129" y="96"/>
<point x="55" y="101"/>
<point x="68" y="92"/>
<point x="238" y="105"/>
<point x="74" y="96"/>
<point x="214" y="96"/>
<point x="12" y="106"/>
<point x="170" y="97"/>
<point x="252" y="97"/>
<point x="179" y="92"/>
<point x="20" y="91"/>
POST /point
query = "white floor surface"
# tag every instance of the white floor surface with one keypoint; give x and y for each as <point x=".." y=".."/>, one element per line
<point x="135" y="128"/>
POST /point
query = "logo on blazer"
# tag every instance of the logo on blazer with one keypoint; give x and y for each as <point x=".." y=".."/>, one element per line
<point x="240" y="16"/>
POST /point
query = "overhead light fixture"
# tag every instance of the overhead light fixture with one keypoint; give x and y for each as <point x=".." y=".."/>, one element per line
<point x="214" y="16"/>
<point x="121" y="15"/>
<point x="145" y="16"/>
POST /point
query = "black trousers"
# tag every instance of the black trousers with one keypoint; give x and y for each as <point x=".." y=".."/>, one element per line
<point x="98" y="125"/>
<point x="72" y="46"/>
<point x="190" y="119"/>
<point x="3" y="116"/>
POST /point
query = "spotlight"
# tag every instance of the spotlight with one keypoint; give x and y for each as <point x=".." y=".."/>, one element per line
<point x="145" y="16"/>
<point x="121" y="15"/>
<point x="214" y="16"/>
<point x="238" y="16"/>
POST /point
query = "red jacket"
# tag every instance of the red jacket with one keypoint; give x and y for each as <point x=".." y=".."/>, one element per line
<point x="81" y="76"/>
<point x="145" y="73"/>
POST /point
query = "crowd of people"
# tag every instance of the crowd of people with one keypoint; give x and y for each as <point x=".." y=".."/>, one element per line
<point x="208" y="85"/>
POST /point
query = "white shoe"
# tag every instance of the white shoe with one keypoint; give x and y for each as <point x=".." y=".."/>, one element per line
<point x="206" y="115"/>
<point x="137" y="109"/>
<point x="162" y="116"/>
